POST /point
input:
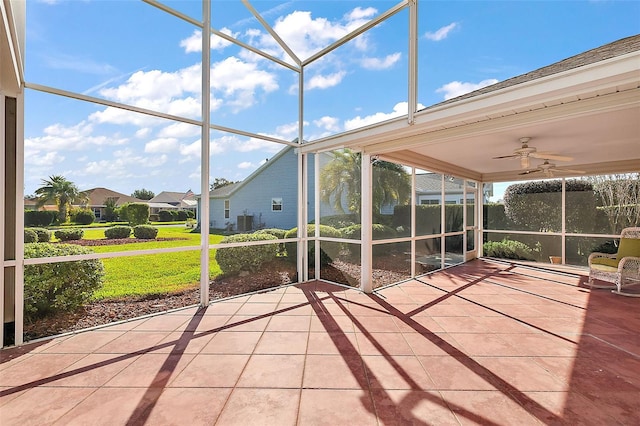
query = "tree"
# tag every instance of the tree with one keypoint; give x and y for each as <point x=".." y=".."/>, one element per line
<point x="221" y="182"/>
<point x="341" y="180"/>
<point x="135" y="213"/>
<point x="619" y="197"/>
<point x="110" y="210"/>
<point x="60" y="191"/>
<point x="143" y="194"/>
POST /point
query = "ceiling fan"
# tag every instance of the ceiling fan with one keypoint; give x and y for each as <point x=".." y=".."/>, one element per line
<point x="526" y="152"/>
<point x="548" y="169"/>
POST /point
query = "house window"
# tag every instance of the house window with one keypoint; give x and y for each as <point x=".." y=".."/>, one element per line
<point x="227" y="213"/>
<point x="276" y="204"/>
<point x="97" y="212"/>
<point x="429" y="202"/>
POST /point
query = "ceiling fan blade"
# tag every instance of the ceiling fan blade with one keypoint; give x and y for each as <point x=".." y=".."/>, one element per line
<point x="526" y="172"/>
<point x="506" y="156"/>
<point x="550" y="156"/>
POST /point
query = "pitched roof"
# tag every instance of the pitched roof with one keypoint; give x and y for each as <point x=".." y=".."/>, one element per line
<point x="430" y="182"/>
<point x="171" y="197"/>
<point x="601" y="53"/>
<point x="227" y="190"/>
<point x="99" y="196"/>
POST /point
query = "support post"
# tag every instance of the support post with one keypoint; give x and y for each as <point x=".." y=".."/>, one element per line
<point x="205" y="152"/>
<point x="366" y="219"/>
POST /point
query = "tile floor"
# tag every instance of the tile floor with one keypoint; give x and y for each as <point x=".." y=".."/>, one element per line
<point x="483" y="343"/>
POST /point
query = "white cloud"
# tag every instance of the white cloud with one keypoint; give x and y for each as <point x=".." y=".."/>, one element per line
<point x="457" y="88"/>
<point x="179" y="130"/>
<point x="161" y="145"/>
<point x="193" y="43"/>
<point x="381" y="64"/>
<point x="306" y="35"/>
<point x="359" y="13"/>
<point x="441" y="33"/>
<point x="74" y="138"/>
<point x="331" y="124"/>
<point x="232" y="75"/>
<point x="288" y="131"/>
<point x="255" y="144"/>
<point x="325" y="81"/>
<point x="245" y="165"/>
<point x="38" y="158"/>
<point x="143" y="133"/>
<point x="400" y="109"/>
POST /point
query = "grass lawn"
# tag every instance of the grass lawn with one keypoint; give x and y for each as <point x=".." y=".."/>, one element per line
<point x="157" y="273"/>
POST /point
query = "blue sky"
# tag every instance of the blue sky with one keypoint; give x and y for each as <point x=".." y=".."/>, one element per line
<point x="130" y="52"/>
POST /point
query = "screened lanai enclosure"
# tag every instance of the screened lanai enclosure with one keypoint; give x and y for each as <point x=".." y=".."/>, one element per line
<point x="541" y="164"/>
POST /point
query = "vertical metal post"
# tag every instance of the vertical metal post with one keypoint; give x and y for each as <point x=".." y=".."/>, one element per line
<point x="316" y="216"/>
<point x="479" y="232"/>
<point x="3" y="209"/>
<point x="443" y="218"/>
<point x="413" y="61"/>
<point x="564" y="218"/>
<point x="303" y="186"/>
<point x="366" y="219"/>
<point x="205" y="152"/>
<point x="413" y="222"/>
<point x="19" y="223"/>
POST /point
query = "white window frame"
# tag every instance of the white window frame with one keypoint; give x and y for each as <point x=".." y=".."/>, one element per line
<point x="276" y="202"/>
<point x="227" y="209"/>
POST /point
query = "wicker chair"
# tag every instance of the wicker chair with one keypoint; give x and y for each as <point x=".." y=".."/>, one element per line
<point x="622" y="268"/>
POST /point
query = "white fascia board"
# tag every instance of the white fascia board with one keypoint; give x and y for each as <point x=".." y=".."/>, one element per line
<point x="582" y="82"/>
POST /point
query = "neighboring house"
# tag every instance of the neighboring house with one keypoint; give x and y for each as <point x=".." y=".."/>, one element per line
<point x="268" y="198"/>
<point x="429" y="191"/>
<point x="97" y="199"/>
<point x="167" y="200"/>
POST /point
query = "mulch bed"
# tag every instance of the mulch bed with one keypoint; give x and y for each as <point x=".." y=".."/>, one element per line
<point x="389" y="269"/>
<point x="115" y="241"/>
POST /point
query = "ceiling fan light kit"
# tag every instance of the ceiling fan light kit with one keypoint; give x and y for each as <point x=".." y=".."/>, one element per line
<point x="526" y="152"/>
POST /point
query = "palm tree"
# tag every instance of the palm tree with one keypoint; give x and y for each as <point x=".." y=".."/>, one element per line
<point x="61" y="191"/>
<point x="340" y="183"/>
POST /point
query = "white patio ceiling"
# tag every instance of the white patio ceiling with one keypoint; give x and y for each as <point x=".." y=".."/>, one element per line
<point x="590" y="113"/>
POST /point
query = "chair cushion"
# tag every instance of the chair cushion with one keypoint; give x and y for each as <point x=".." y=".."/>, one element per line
<point x="628" y="247"/>
<point x="605" y="261"/>
<point x="604" y="268"/>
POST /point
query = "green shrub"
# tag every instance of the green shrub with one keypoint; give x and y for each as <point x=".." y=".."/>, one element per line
<point x="44" y="235"/>
<point x="165" y="216"/>
<point x="190" y="214"/>
<point x="69" y="234"/>
<point x="245" y="258"/>
<point x="145" y="232"/>
<point x="135" y="213"/>
<point x="61" y="286"/>
<point x="340" y="220"/>
<point x="379" y="232"/>
<point x="117" y="232"/>
<point x="83" y="217"/>
<point x="154" y="218"/>
<point x="329" y="250"/>
<point x="30" y="236"/>
<point x="507" y="249"/>
<point x="279" y="233"/>
<point x="40" y="217"/>
<point x="182" y="215"/>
